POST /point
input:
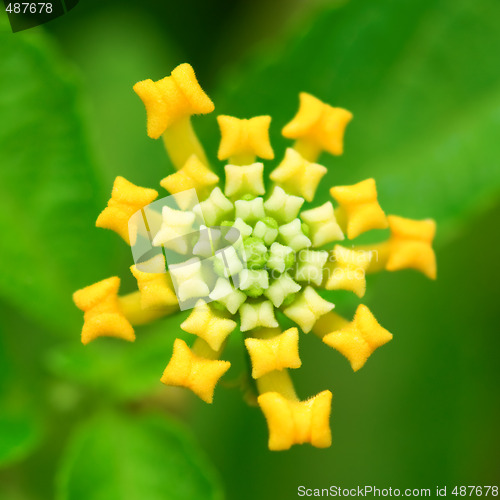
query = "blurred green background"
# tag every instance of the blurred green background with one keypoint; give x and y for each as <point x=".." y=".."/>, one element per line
<point x="422" y="78"/>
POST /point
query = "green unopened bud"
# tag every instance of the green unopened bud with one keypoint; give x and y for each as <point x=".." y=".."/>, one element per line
<point x="254" y="282"/>
<point x="255" y="252"/>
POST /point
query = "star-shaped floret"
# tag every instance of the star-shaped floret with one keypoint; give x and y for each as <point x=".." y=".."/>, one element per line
<point x="186" y="369"/>
<point x="281" y="288"/>
<point x="297" y="175"/>
<point x="193" y="175"/>
<point x="241" y="180"/>
<point x="281" y="257"/>
<point x="359" y="207"/>
<point x="172" y="98"/>
<point x="177" y="225"/>
<point x="214" y="209"/>
<point x="318" y="126"/>
<point x="282" y="206"/>
<point x="256" y="315"/>
<point x="297" y="422"/>
<point x="307" y="309"/>
<point x="156" y="287"/>
<point x="310" y="264"/>
<point x="322" y="224"/>
<point x="347" y="270"/>
<point x="227" y="295"/>
<point x="126" y="199"/>
<point x="188" y="280"/>
<point x="293" y="236"/>
<point x="244" y="139"/>
<point x="103" y="316"/>
<point x="250" y="210"/>
<point x="359" y="339"/>
<point x="254" y="281"/>
<point x="410" y="245"/>
<point x="208" y="325"/>
<point x="275" y="353"/>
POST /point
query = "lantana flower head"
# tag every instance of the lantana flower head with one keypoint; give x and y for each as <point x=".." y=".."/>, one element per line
<point x="247" y="255"/>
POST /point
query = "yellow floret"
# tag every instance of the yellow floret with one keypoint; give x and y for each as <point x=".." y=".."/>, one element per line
<point x="358" y="339"/>
<point x="103" y="316"/>
<point x="193" y="175"/>
<point x="307" y="309"/>
<point x="242" y="140"/>
<point x="359" y="207"/>
<point x="410" y="245"/>
<point x="208" y="325"/>
<point x="322" y="224"/>
<point x="293" y="422"/>
<point x="317" y="127"/>
<point x="126" y="199"/>
<point x="186" y="369"/>
<point x="275" y="353"/>
<point x="156" y="288"/>
<point x="298" y="176"/>
<point x="347" y="270"/>
<point x="172" y="98"/>
<point x="241" y="180"/>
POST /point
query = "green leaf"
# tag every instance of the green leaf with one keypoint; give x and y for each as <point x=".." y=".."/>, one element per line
<point x="49" y="193"/>
<point x="423" y="81"/>
<point x="149" y="457"/>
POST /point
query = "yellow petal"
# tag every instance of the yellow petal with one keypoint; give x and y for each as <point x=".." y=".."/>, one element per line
<point x="307" y="309"/>
<point x="322" y="224"/>
<point x="358" y="339"/>
<point x="359" y="206"/>
<point x="241" y="180"/>
<point x="193" y="175"/>
<point x="319" y="124"/>
<point x="276" y="353"/>
<point x="126" y="199"/>
<point x="186" y="369"/>
<point x="292" y="422"/>
<point x="298" y="176"/>
<point x="103" y="316"/>
<point x="156" y="289"/>
<point x="208" y="325"/>
<point x="245" y="138"/>
<point x="410" y="245"/>
<point x="172" y="98"/>
<point x="347" y="270"/>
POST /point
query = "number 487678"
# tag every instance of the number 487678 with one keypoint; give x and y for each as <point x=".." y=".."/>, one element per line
<point x="29" y="8"/>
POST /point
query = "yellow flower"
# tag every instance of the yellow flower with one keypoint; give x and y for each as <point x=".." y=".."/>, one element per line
<point x="186" y="369"/>
<point x="317" y="127"/>
<point x="156" y="289"/>
<point x="359" y="207"/>
<point x="358" y="340"/>
<point x="208" y="325"/>
<point x="126" y="199"/>
<point x="243" y="140"/>
<point x="172" y="98"/>
<point x="103" y="316"/>
<point x="297" y="422"/>
<point x="298" y="176"/>
<point x="246" y="257"/>
<point x="274" y="353"/>
<point x="193" y="175"/>
<point x="347" y="272"/>
<point x="410" y="245"/>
